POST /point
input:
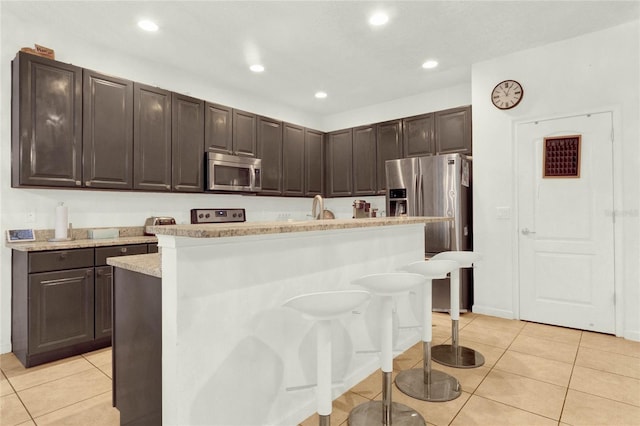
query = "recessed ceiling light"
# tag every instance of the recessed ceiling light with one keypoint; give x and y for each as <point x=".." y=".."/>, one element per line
<point x="147" y="25"/>
<point x="430" y="64"/>
<point x="256" y="68"/>
<point x="379" y="18"/>
<point x="321" y="95"/>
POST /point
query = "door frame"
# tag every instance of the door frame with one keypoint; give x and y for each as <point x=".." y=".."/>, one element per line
<point x="616" y="114"/>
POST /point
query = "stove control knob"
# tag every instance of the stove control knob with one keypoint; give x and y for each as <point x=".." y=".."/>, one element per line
<point x="200" y="215"/>
<point x="207" y="215"/>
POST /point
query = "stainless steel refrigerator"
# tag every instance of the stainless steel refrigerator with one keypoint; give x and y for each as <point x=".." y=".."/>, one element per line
<point x="438" y="185"/>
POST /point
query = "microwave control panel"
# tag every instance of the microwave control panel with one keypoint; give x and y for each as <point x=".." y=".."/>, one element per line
<point x="217" y="215"/>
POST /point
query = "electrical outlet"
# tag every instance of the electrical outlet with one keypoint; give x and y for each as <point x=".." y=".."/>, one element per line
<point x="30" y="217"/>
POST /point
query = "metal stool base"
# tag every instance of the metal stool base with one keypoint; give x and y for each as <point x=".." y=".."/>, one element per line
<point x="457" y="357"/>
<point x="441" y="386"/>
<point x="370" y="414"/>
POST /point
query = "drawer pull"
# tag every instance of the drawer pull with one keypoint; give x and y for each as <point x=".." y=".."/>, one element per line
<point x="63" y="255"/>
<point x="123" y="250"/>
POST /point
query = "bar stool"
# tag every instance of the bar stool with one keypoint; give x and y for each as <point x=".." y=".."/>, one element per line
<point x="386" y="412"/>
<point x="454" y="355"/>
<point x="324" y="307"/>
<point x="427" y="384"/>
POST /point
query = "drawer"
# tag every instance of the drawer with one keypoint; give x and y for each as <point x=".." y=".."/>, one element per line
<point x="103" y="252"/>
<point x="57" y="260"/>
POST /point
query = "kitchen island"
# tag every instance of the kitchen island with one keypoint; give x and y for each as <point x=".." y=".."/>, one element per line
<point x="231" y="354"/>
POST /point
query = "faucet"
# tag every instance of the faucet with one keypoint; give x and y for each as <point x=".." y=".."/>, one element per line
<point x="317" y="200"/>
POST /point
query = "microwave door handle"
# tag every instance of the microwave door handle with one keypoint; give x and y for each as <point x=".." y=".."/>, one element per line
<point x="252" y="177"/>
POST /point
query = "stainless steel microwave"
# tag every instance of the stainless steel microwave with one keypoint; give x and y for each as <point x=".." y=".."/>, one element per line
<point x="232" y="173"/>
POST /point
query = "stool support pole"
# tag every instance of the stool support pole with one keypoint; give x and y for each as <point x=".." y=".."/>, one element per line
<point x="386" y="340"/>
<point x="324" y="371"/>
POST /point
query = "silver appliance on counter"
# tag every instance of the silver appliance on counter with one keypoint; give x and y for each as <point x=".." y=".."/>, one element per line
<point x="233" y="173"/>
<point x="217" y="215"/>
<point x="157" y="221"/>
<point x="438" y="185"/>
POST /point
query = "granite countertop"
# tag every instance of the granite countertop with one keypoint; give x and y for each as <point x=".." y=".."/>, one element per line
<point x="257" y="228"/>
<point x="148" y="264"/>
<point x="128" y="235"/>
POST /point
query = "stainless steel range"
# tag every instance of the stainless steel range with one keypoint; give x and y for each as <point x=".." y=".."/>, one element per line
<point x="217" y="215"/>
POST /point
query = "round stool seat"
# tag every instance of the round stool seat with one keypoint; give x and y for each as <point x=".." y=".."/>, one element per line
<point x="466" y="259"/>
<point x="327" y="305"/>
<point x="432" y="269"/>
<point x="390" y="284"/>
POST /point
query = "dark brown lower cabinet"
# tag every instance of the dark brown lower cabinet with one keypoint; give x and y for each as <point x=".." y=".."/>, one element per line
<point x="60" y="309"/>
<point x="137" y="348"/>
<point x="61" y="301"/>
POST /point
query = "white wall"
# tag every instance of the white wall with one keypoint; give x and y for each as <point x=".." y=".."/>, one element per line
<point x="587" y="73"/>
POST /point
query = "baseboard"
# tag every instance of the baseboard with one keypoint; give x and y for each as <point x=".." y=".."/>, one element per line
<point x="487" y="310"/>
<point x="631" y="335"/>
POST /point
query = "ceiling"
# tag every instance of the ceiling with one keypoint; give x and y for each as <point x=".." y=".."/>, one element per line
<point x="308" y="46"/>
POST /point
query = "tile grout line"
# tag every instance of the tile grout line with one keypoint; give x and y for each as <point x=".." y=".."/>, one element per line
<point x="19" y="398"/>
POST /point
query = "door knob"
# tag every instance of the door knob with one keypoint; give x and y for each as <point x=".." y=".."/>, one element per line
<point x="525" y="231"/>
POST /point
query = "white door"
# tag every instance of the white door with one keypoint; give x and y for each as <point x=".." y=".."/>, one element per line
<point x="566" y="227"/>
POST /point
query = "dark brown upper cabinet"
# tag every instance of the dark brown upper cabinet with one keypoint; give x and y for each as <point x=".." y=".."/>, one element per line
<point x="270" y="152"/>
<point x="187" y="144"/>
<point x="389" y="147"/>
<point x="151" y="138"/>
<point x="217" y="128"/>
<point x="340" y="163"/>
<point x="364" y="160"/>
<point x="244" y="133"/>
<point x="313" y="163"/>
<point x="418" y="136"/>
<point x="293" y="160"/>
<point x="107" y="131"/>
<point x="46" y="122"/>
<point x="453" y="130"/>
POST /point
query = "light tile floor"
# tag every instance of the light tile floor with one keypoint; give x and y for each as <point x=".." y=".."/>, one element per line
<point x="534" y="375"/>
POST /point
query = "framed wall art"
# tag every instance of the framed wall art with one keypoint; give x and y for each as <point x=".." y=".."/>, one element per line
<point x="562" y="157"/>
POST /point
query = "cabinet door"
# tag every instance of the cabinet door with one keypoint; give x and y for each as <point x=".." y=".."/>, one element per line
<point x="46" y="123"/>
<point x="217" y="128"/>
<point x="364" y="160"/>
<point x="61" y="310"/>
<point x="340" y="164"/>
<point x="244" y="133"/>
<point x="102" y="306"/>
<point x="151" y="138"/>
<point x="293" y="160"/>
<point x="187" y="144"/>
<point x="313" y="162"/>
<point x="107" y="131"/>
<point x="453" y="130"/>
<point x="389" y="147"/>
<point x="270" y="152"/>
<point x="418" y="135"/>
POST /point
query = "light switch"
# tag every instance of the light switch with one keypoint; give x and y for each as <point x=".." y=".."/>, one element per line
<point x="503" y="212"/>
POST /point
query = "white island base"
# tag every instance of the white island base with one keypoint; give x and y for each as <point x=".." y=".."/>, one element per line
<point x="232" y="355"/>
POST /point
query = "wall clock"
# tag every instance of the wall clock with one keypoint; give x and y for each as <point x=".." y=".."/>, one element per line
<point x="507" y="94"/>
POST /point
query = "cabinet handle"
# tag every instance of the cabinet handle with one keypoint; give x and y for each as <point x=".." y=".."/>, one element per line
<point x="99" y="273"/>
<point x="78" y="183"/>
<point x="63" y="255"/>
<point x="123" y="250"/>
<point x="89" y="272"/>
<point x="87" y="183"/>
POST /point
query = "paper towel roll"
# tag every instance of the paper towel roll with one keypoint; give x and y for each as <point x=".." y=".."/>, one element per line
<point x="62" y="222"/>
